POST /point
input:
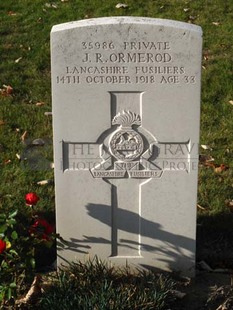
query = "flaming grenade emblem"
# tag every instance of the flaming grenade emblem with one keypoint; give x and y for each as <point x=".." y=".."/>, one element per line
<point x="126" y="144"/>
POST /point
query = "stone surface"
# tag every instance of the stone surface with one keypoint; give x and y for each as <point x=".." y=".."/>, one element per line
<point x="126" y="104"/>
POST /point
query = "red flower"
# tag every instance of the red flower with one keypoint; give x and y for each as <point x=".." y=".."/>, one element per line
<point x="41" y="228"/>
<point x="2" y="246"/>
<point x="31" y="199"/>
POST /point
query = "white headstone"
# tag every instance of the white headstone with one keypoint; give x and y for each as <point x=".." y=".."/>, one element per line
<point x="126" y="104"/>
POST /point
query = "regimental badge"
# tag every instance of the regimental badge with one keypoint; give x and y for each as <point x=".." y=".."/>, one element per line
<point x="130" y="151"/>
<point x="126" y="144"/>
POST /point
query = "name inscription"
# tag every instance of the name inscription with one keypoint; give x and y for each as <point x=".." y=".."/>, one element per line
<point x="136" y="63"/>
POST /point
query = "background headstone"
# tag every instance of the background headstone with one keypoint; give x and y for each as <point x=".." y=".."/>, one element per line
<point x="126" y="104"/>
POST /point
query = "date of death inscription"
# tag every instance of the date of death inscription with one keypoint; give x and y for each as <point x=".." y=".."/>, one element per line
<point x="131" y="63"/>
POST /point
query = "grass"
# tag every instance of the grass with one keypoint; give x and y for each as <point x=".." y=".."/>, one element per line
<point x="25" y="66"/>
<point x="95" y="285"/>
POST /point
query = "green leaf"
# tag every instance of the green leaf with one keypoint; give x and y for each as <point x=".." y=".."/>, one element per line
<point x="13" y="285"/>
<point x="2" y="293"/>
<point x="2" y="216"/>
<point x="3" y="228"/>
<point x="11" y="222"/>
<point x="13" y="214"/>
<point x="48" y="244"/>
<point x="33" y="262"/>
<point x="14" y="252"/>
<point x="14" y="235"/>
<point x="9" y="293"/>
<point x="4" y="264"/>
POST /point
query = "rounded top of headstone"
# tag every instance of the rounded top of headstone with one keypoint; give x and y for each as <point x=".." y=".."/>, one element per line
<point x="127" y="20"/>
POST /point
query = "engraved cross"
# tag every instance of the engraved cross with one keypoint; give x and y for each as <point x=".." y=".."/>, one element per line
<point x="125" y="156"/>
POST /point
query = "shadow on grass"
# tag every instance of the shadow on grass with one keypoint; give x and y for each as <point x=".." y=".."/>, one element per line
<point x="215" y="240"/>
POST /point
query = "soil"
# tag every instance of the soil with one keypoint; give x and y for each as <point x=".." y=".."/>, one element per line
<point x="212" y="288"/>
<point x="207" y="291"/>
